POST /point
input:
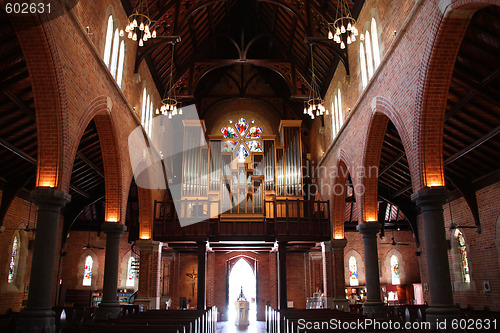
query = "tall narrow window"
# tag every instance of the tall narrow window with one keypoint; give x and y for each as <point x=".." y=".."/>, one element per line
<point x="87" y="273"/>
<point x="114" y="53"/>
<point x="151" y="117"/>
<point x="131" y="272"/>
<point x="334" y="117"/>
<point x="369" y="57"/>
<point x="364" y="77"/>
<point x="109" y="41"/>
<point x="462" y="249"/>
<point x="395" y="270"/>
<point x="13" y="260"/>
<point x="143" y="108"/>
<point x="121" y="58"/>
<point x="376" y="49"/>
<point x="146" y="109"/>
<point x="340" y="112"/>
<point x="353" y="272"/>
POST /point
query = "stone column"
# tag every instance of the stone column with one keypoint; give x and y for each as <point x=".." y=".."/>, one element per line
<point x="149" y="273"/>
<point x="282" y="293"/>
<point x="202" y="276"/>
<point x="109" y="306"/>
<point x="333" y="274"/>
<point x="430" y="202"/>
<point x="38" y="315"/>
<point x="373" y="305"/>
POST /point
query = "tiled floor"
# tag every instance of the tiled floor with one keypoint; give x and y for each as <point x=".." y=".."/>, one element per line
<point x="229" y="327"/>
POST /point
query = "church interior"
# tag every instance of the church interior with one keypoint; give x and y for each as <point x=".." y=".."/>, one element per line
<point x="211" y="165"/>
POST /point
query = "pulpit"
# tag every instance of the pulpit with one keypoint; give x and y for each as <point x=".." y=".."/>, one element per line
<point x="242" y="307"/>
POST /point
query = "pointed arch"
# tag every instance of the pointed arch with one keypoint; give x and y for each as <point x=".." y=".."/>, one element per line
<point x="383" y="111"/>
<point x="443" y="50"/>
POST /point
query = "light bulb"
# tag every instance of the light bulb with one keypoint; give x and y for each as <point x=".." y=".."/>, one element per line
<point x="122" y="33"/>
<point x="353" y="38"/>
<point x="140" y="42"/>
<point x="134" y="37"/>
<point x="127" y="28"/>
<point x="134" y="23"/>
<point x="348" y="39"/>
<point x="170" y="115"/>
<point x="141" y="26"/>
<point x="145" y="37"/>
<point x="337" y="32"/>
<point x="305" y="110"/>
<point x="327" y="113"/>
<point x="361" y="37"/>
<point x="349" y="26"/>
<point x="130" y="35"/>
<point x="157" y="111"/>
<point x="154" y="34"/>
<point x="342" y="29"/>
<point x="317" y="113"/>
<point x="330" y="34"/>
<point x="336" y="38"/>
<point x="355" y="31"/>
<point x="342" y="45"/>
<point x="146" y="29"/>
<point x="180" y="111"/>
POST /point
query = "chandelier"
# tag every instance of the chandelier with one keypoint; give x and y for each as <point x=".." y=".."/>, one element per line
<point x="314" y="105"/>
<point x="140" y="25"/>
<point x="169" y="104"/>
<point x="343" y="25"/>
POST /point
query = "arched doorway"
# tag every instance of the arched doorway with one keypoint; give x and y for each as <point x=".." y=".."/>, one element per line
<point x="241" y="275"/>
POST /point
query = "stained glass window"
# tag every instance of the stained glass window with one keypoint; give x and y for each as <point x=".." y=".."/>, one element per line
<point x="353" y="271"/>
<point x="240" y="132"/>
<point x="241" y="126"/>
<point x="229" y="146"/>
<point x="87" y="273"/>
<point x="13" y="260"/>
<point x="131" y="272"/>
<point x="254" y="133"/>
<point x="229" y="133"/>
<point x="242" y="153"/>
<point x="395" y="270"/>
<point x="464" y="263"/>
<point x="254" y="146"/>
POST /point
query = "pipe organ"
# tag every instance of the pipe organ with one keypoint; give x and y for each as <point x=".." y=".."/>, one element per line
<point x="239" y="169"/>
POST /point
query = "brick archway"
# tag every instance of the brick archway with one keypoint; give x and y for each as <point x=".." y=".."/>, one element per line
<point x="338" y="195"/>
<point x="44" y="67"/>
<point x="449" y="34"/>
<point x="382" y="112"/>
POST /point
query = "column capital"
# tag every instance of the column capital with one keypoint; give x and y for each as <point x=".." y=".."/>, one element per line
<point x="148" y="245"/>
<point x="338" y="244"/>
<point x="368" y="228"/>
<point x="113" y="228"/>
<point x="47" y="197"/>
<point x="432" y="196"/>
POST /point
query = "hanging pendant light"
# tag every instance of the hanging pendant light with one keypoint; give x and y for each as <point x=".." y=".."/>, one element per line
<point x="140" y="24"/>
<point x="344" y="25"/>
<point x="170" y="105"/>
<point x="314" y="105"/>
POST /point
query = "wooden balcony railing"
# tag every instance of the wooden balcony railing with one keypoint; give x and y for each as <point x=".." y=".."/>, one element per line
<point x="282" y="219"/>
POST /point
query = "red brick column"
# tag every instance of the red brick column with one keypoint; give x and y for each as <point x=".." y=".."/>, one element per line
<point x="333" y="274"/>
<point x="149" y="273"/>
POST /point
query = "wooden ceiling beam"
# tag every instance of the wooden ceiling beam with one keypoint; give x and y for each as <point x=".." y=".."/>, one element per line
<point x="473" y="145"/>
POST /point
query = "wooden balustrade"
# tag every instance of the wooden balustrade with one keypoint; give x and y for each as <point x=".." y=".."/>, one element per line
<point x="281" y="219"/>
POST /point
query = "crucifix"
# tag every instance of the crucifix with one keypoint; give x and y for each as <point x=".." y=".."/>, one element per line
<point x="193" y="276"/>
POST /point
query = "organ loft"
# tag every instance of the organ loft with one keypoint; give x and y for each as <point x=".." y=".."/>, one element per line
<point x="249" y="165"/>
